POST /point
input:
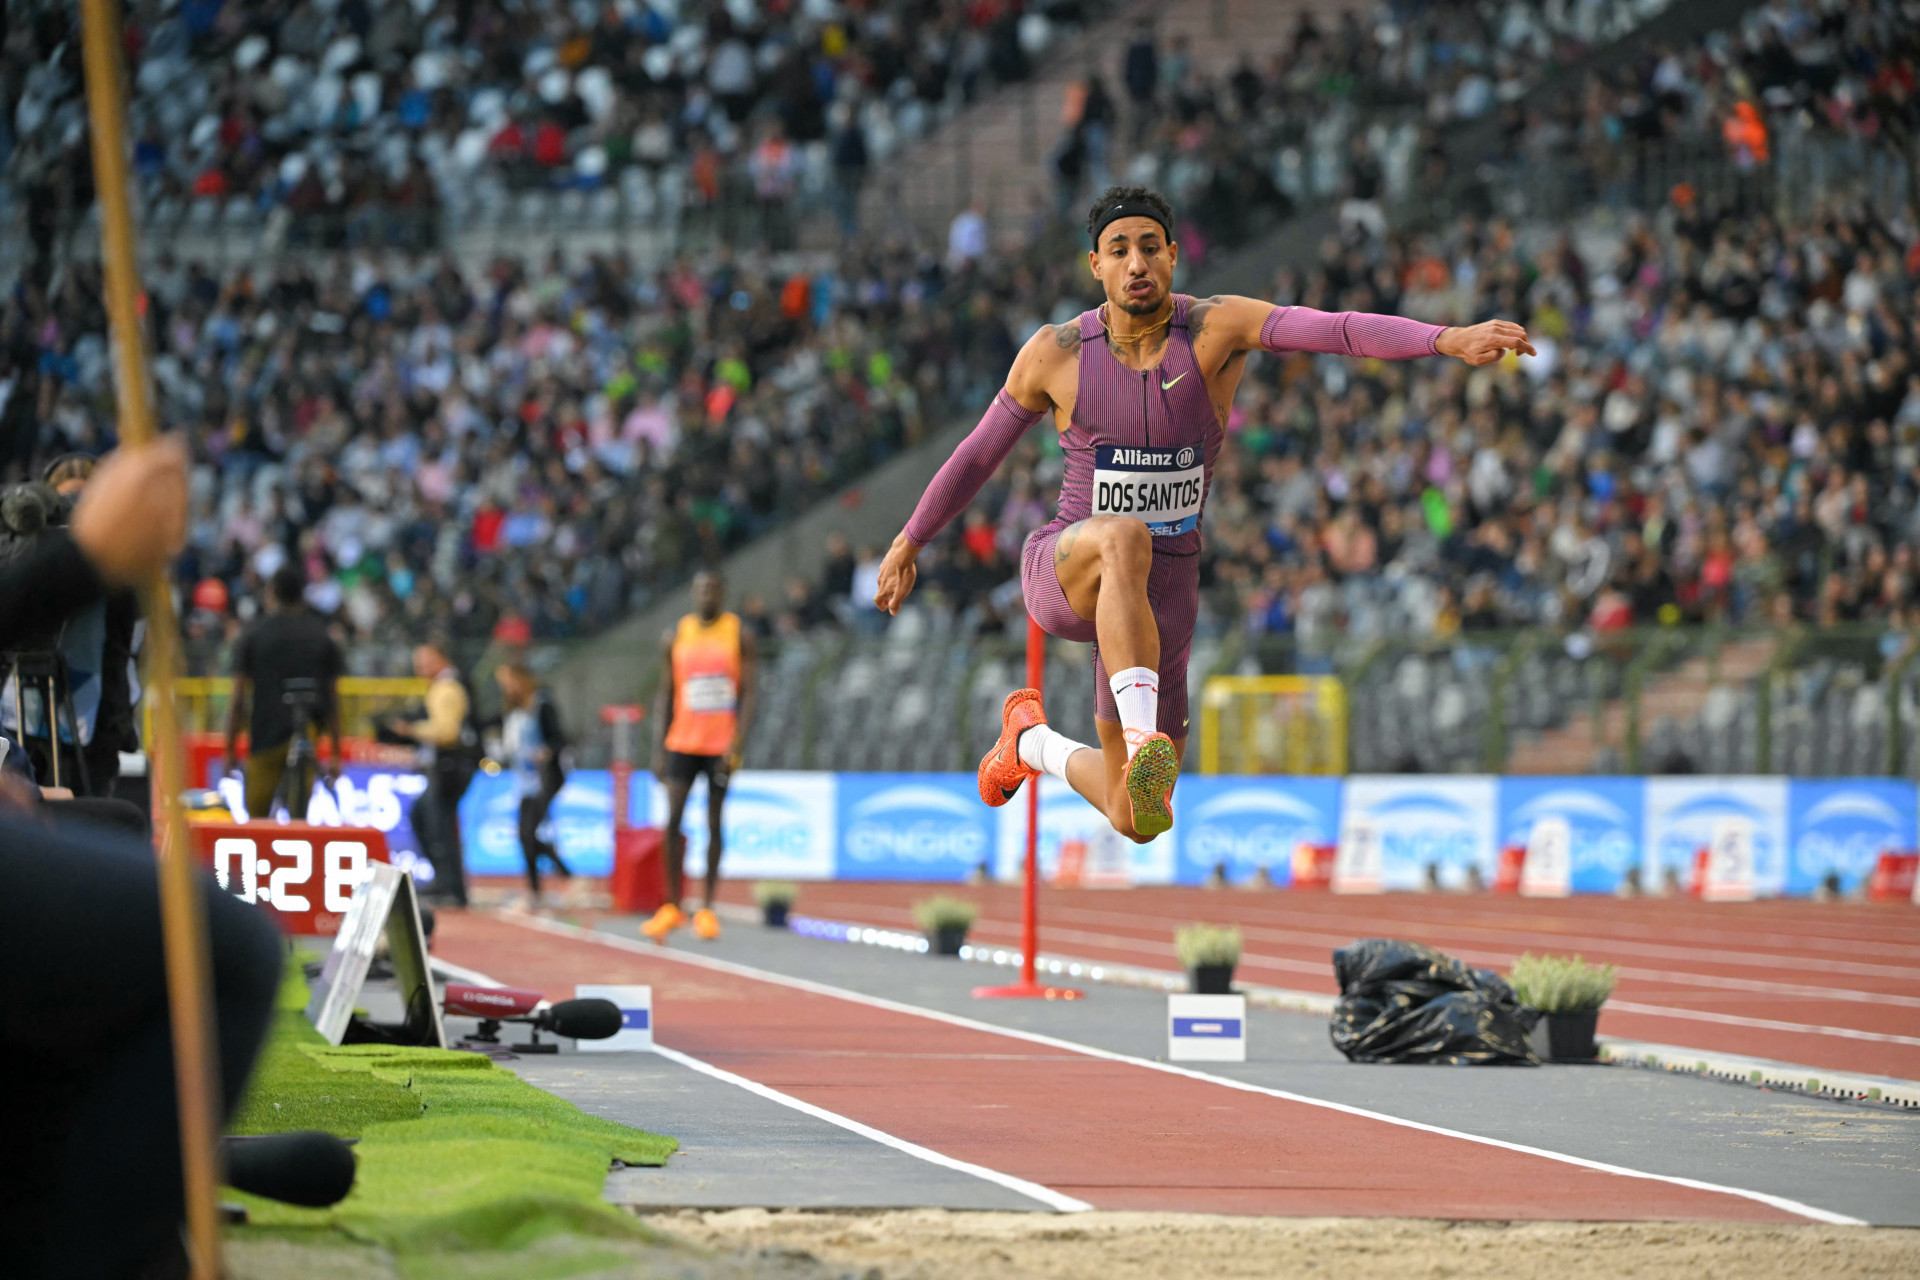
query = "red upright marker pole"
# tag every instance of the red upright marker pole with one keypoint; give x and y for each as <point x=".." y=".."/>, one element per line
<point x="1029" y="988"/>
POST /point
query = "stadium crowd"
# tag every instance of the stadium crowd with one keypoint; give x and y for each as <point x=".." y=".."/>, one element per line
<point x="333" y="108"/>
<point x="1723" y="424"/>
<point x="552" y="440"/>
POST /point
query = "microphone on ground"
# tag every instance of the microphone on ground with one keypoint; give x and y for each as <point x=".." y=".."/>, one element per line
<point x="308" y="1168"/>
<point x="588" y="1019"/>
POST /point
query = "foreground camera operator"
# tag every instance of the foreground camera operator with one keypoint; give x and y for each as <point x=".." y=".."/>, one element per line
<point x="87" y="1096"/>
<point x="290" y="664"/>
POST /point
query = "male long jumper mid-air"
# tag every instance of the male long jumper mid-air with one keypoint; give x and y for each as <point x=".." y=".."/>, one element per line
<point x="1139" y="388"/>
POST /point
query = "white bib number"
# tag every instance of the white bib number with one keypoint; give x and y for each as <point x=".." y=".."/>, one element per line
<point x="1163" y="487"/>
<point x="709" y="693"/>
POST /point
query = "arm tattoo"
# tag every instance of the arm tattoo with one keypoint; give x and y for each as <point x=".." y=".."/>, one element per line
<point x="1064" y="547"/>
<point x="1067" y="337"/>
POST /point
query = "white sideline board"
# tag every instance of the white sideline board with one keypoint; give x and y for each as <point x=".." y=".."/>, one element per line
<point x="1206" y="1028"/>
<point x="636" y="1016"/>
<point x="1357" y="860"/>
<point x="384" y="903"/>
<point x="1547" y="869"/>
<point x="1729" y="861"/>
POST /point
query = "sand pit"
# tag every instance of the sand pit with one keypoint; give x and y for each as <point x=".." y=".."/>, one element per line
<point x="935" y="1245"/>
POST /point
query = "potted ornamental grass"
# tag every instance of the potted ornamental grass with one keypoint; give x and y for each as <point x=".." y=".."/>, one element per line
<point x="1567" y="992"/>
<point x="775" y="898"/>
<point x="1208" y="952"/>
<point x="945" y="921"/>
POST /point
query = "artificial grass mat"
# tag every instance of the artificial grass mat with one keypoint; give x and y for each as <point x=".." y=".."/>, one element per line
<point x="455" y="1154"/>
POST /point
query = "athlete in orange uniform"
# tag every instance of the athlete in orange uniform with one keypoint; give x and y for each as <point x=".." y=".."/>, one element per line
<point x="703" y="708"/>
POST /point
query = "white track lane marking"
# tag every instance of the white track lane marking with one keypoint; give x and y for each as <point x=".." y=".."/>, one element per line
<point x="1308" y="928"/>
<point x="619" y="943"/>
<point x="1764" y="1024"/>
<point x="1032" y="1190"/>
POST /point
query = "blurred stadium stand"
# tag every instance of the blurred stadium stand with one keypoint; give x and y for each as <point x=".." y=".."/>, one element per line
<point x="1682" y="540"/>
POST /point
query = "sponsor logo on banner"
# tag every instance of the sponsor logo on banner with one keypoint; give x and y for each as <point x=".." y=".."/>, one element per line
<point x="1068" y="820"/>
<point x="580" y="822"/>
<point x="777" y="824"/>
<point x="1443" y="823"/>
<point x="1604" y="822"/>
<point x="1685" y="814"/>
<point x="1249" y="823"/>
<point x="1842" y="826"/>
<point x="912" y="826"/>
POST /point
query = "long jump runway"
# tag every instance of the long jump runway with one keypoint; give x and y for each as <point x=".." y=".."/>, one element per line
<point x="1063" y="1107"/>
<point x="1831" y="985"/>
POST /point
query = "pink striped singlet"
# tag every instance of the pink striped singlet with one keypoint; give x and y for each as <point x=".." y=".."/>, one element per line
<point x="1142" y="443"/>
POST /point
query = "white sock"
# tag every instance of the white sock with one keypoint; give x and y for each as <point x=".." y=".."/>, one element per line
<point x="1136" y="695"/>
<point x="1048" y="750"/>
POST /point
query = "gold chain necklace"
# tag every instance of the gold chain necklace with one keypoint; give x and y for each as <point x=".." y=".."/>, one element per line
<point x="1134" y="339"/>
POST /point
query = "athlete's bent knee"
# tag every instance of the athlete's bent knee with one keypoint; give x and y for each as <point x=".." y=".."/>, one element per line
<point x="1125" y="543"/>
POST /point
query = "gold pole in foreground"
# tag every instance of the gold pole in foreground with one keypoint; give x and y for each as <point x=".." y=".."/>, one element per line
<point x="183" y="925"/>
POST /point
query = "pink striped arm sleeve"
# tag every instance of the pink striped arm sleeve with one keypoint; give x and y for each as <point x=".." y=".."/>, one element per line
<point x="972" y="464"/>
<point x="1348" y="333"/>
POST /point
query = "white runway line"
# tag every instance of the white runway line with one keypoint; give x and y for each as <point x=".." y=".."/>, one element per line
<point x="1032" y="1190"/>
<point x="617" y="942"/>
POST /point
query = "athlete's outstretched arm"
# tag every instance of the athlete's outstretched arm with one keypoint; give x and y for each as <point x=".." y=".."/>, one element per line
<point x="1248" y="324"/>
<point x="1020" y="404"/>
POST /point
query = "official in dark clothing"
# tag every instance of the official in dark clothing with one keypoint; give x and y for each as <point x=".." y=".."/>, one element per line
<point x="288" y="646"/>
<point x="86" y="1058"/>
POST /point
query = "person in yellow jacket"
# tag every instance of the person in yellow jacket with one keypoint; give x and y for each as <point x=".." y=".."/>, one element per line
<point x="701" y="714"/>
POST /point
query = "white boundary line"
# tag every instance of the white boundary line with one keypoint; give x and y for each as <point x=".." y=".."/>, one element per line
<point x="1033" y="1037"/>
<point x="1765" y="1024"/>
<point x="1033" y="1190"/>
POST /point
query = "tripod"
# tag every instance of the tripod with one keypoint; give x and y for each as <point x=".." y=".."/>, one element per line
<point x="295" y="790"/>
<point x="44" y="672"/>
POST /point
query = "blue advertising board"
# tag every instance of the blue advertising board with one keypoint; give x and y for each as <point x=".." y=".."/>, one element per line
<point x="776" y="824"/>
<point x="1438" y="822"/>
<point x="1682" y="814"/>
<point x="1842" y="826"/>
<point x="1067" y="820"/>
<point x="1605" y="818"/>
<point x="911" y="826"/>
<point x="1244" y="824"/>
<point x="580" y="822"/>
<point x="364" y="796"/>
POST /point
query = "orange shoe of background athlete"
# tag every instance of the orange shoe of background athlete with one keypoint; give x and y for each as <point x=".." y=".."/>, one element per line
<point x="1001" y="769"/>
<point x="706" y="925"/>
<point x="664" y="922"/>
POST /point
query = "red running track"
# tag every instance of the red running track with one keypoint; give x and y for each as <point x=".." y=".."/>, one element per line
<point x="1115" y="1134"/>
<point x="1831" y="985"/>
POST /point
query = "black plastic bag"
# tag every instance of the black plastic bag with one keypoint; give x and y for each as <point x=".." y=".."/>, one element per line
<point x="1404" y="1002"/>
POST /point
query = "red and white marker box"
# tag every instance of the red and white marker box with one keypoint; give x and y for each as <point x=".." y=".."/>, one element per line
<point x="305" y="874"/>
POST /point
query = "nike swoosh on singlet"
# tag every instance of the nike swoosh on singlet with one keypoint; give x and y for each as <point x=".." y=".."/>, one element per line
<point x="1168" y="386"/>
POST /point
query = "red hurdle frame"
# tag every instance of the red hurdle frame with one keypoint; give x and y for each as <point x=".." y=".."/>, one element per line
<point x="1029" y="987"/>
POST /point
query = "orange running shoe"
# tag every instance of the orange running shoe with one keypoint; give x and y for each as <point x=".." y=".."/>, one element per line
<point x="706" y="925"/>
<point x="665" y="921"/>
<point x="1149" y="781"/>
<point x="1001" y="769"/>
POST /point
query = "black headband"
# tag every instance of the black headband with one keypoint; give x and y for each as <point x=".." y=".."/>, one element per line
<point x="1130" y="209"/>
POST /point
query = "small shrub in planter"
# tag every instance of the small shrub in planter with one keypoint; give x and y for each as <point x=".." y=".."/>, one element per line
<point x="1208" y="952"/>
<point x="1568" y="993"/>
<point x="775" y="898"/>
<point x="945" y="921"/>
